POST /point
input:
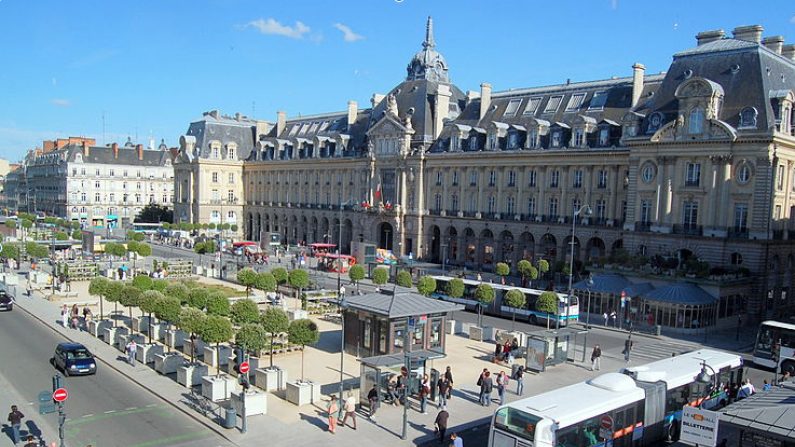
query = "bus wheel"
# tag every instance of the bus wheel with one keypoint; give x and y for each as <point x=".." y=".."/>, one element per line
<point x="673" y="432"/>
<point x="788" y="367"/>
<point x="533" y="319"/>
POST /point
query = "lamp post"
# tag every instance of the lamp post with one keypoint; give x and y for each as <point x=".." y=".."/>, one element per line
<point x="342" y="306"/>
<point x="588" y="307"/>
<point x="583" y="209"/>
<point x="706" y="378"/>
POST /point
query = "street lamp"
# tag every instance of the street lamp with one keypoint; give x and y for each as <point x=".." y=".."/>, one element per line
<point x="707" y="378"/>
<point x="587" y="212"/>
<point x="588" y="307"/>
<point x="342" y="306"/>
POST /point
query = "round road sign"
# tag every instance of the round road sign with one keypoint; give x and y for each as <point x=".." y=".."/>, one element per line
<point x="60" y="395"/>
<point x="244" y="367"/>
<point x="606" y="422"/>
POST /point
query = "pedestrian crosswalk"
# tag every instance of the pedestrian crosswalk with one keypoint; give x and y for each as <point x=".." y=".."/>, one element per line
<point x="660" y="349"/>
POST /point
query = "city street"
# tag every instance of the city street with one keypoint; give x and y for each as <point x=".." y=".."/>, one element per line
<point x="103" y="410"/>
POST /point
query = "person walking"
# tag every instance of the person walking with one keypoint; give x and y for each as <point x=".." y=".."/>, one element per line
<point x="502" y="383"/>
<point x="391" y="388"/>
<point x="442" y="385"/>
<point x="331" y="412"/>
<point x="519" y="376"/>
<point x="425" y="391"/>
<point x="481" y="378"/>
<point x="15" y="419"/>
<point x="372" y="398"/>
<point x="132" y="349"/>
<point x="350" y="410"/>
<point x="65" y="316"/>
<point x="613" y="318"/>
<point x="486" y="389"/>
<point x="456" y="441"/>
<point x="75" y="314"/>
<point x="448" y="374"/>
<point x="628" y="344"/>
<point x="604" y="315"/>
<point x="441" y="423"/>
<point x="596" y="358"/>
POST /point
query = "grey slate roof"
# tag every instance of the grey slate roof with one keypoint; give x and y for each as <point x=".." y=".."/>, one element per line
<point x="212" y="126"/>
<point x="771" y="411"/>
<point x="402" y="304"/>
<point x="606" y="283"/>
<point x="127" y="156"/>
<point x="680" y="293"/>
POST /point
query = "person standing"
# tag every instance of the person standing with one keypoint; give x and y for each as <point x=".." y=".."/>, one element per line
<point x="502" y="383"/>
<point x="391" y="388"/>
<point x="441" y="423"/>
<point x="425" y="390"/>
<point x="519" y="375"/>
<point x="486" y="388"/>
<point x="448" y="374"/>
<point x="132" y="349"/>
<point x="372" y="398"/>
<point x="15" y="419"/>
<point x="456" y="441"/>
<point x="65" y="316"/>
<point x="481" y="378"/>
<point x="613" y="318"/>
<point x="350" y="410"/>
<point x="75" y="314"/>
<point x="331" y="411"/>
<point x="442" y="385"/>
<point x="628" y="343"/>
<point x="596" y="358"/>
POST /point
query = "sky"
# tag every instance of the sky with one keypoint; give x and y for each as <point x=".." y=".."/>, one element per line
<point x="147" y="68"/>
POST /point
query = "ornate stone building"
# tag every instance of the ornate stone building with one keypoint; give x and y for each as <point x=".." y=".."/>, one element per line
<point x="698" y="161"/>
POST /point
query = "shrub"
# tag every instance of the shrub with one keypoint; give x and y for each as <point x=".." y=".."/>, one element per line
<point x="426" y="285"/>
<point x="244" y="311"/>
<point x="403" y="279"/>
<point x="380" y="276"/>
<point x="217" y="304"/>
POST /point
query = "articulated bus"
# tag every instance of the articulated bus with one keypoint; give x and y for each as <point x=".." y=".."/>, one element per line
<point x="527" y="313"/>
<point x="638" y="406"/>
<point x="775" y="346"/>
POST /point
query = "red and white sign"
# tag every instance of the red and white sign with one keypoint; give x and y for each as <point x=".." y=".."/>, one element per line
<point x="606" y="422"/>
<point x="60" y="395"/>
<point x="244" y="367"/>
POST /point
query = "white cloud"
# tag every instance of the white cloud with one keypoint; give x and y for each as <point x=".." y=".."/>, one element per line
<point x="347" y="33"/>
<point x="60" y="102"/>
<point x="272" y="26"/>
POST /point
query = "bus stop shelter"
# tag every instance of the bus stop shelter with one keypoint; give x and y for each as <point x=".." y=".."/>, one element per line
<point x="553" y="346"/>
<point x="379" y="369"/>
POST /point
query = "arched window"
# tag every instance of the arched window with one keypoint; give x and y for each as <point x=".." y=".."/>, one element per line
<point x="748" y="117"/>
<point x="696" y="122"/>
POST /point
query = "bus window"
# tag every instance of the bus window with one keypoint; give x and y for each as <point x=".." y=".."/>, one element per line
<point x="677" y="398"/>
<point x="516" y="422"/>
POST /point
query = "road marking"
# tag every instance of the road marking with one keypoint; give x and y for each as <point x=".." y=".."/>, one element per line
<point x="110" y="411"/>
<point x="88" y="415"/>
<point x="130" y="408"/>
<point x="151" y="405"/>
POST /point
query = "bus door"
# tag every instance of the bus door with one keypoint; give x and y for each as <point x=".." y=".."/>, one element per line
<point x="653" y="412"/>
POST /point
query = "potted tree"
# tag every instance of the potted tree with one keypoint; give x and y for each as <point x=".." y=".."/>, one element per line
<point x="527" y="272"/>
<point x="148" y="304"/>
<point x="247" y="277"/>
<point x="548" y="303"/>
<point x="380" y="276"/>
<point x="303" y="332"/>
<point x="356" y="274"/>
<point x="484" y="294"/>
<point x="129" y="298"/>
<point x="426" y="285"/>
<point x="217" y="305"/>
<point x="251" y="339"/>
<point x="168" y="311"/>
<point x="244" y="311"/>
<point x="299" y="280"/>
<point x="191" y="320"/>
<point x="403" y="279"/>
<point x="502" y="270"/>
<point x="198" y="297"/>
<point x="216" y="330"/>
<point x="97" y="287"/>
<point x="515" y="299"/>
<point x="274" y="321"/>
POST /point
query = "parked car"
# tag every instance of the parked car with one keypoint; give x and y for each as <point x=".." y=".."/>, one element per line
<point x="6" y="301"/>
<point x="74" y="359"/>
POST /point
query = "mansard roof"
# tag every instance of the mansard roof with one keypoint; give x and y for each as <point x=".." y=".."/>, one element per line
<point x="127" y="156"/>
<point x="226" y="129"/>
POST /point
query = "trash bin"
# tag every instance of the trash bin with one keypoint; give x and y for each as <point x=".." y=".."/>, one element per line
<point x="230" y="421"/>
<point x="657" y="330"/>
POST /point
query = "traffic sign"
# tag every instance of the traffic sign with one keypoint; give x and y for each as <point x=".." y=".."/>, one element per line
<point x="606" y="422"/>
<point x="244" y="367"/>
<point x="60" y="395"/>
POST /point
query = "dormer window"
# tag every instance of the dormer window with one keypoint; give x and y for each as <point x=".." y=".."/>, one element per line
<point x="473" y="143"/>
<point x="579" y="137"/>
<point x="655" y="121"/>
<point x="532" y="106"/>
<point x="696" y="121"/>
<point x="553" y="104"/>
<point x="513" y="140"/>
<point x="556" y="137"/>
<point x="575" y="102"/>
<point x="532" y="138"/>
<point x="513" y="107"/>
<point x="604" y="136"/>
<point x="598" y="101"/>
<point x="748" y="117"/>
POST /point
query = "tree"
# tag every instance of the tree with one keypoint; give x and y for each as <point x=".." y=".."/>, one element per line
<point x="216" y="329"/>
<point x="303" y="332"/>
<point x="154" y="213"/>
<point x="197" y="298"/>
<point x="135" y="236"/>
<point x="177" y="290"/>
<point x="159" y="285"/>
<point x="426" y="285"/>
<point x="548" y="303"/>
<point x="10" y="251"/>
<point x="61" y="236"/>
<point x="403" y="279"/>
<point x="77" y="235"/>
<point x="191" y="320"/>
<point x="167" y="309"/>
<point x="299" y="280"/>
<point x="217" y="304"/>
<point x="233" y="227"/>
<point x="251" y="338"/>
<point x="265" y="282"/>
<point x="455" y="288"/>
<point x="244" y="311"/>
<point x="502" y="270"/>
<point x="543" y="266"/>
<point x="484" y="293"/>
<point x="144" y="250"/>
<point x="515" y="299"/>
<point x="356" y="273"/>
<point x="380" y="276"/>
<point x="248" y="278"/>
<point x="97" y="287"/>
<point x="280" y="274"/>
<point x="148" y="303"/>
<point x="129" y="298"/>
<point x="274" y="321"/>
<point x="113" y="293"/>
<point x="143" y="282"/>
<point x="35" y="250"/>
<point x="11" y="223"/>
<point x="527" y="271"/>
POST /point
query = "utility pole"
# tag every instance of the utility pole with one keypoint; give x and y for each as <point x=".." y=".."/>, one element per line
<point x="56" y="386"/>
<point x="406" y="388"/>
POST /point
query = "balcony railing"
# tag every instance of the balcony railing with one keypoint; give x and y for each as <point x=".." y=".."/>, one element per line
<point x="688" y="229"/>
<point x="643" y="227"/>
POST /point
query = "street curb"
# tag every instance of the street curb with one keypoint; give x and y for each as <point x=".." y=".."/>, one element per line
<point x="424" y="439"/>
<point x="620" y="331"/>
<point x="195" y="417"/>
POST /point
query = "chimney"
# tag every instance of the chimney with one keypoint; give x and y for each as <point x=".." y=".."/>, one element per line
<point x="442" y="111"/>
<point x="281" y="121"/>
<point x="749" y="33"/>
<point x="788" y="51"/>
<point x="774" y="43"/>
<point x="485" y="98"/>
<point x="353" y="111"/>
<point x="637" y="82"/>
<point x="709" y="36"/>
<point x="262" y="128"/>
<point x="140" y="149"/>
<point x="85" y="149"/>
<point x="376" y="99"/>
<point x="115" y="147"/>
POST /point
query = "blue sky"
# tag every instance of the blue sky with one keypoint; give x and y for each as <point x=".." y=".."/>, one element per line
<point x="151" y="66"/>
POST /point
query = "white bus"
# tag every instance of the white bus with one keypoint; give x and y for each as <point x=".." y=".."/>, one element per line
<point x="528" y="313"/>
<point x="642" y="404"/>
<point x="775" y="346"/>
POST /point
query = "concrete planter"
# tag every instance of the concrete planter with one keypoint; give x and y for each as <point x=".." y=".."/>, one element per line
<point x="191" y="375"/>
<point x="270" y="379"/>
<point x="303" y="393"/>
<point x="218" y="388"/>
<point x="97" y="327"/>
<point x="109" y="334"/>
<point x="120" y="338"/>
<point x="211" y="356"/>
<point x="10" y="279"/>
<point x="175" y="338"/>
<point x="449" y="327"/>
<point x="158" y="331"/>
<point x="476" y="333"/>
<point x="489" y="333"/>
<point x="146" y="353"/>
<point x="256" y="402"/>
<point x="297" y="314"/>
<point x="198" y="270"/>
<point x="140" y="324"/>
<point x="168" y="363"/>
<point x="187" y="347"/>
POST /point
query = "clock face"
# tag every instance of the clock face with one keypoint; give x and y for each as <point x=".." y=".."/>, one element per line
<point x="648" y="172"/>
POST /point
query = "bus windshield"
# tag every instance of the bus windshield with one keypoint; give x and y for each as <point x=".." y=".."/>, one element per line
<point x="775" y="344"/>
<point x="516" y="422"/>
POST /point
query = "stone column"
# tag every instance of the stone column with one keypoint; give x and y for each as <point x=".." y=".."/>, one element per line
<point x="611" y="197"/>
<point x="541" y="180"/>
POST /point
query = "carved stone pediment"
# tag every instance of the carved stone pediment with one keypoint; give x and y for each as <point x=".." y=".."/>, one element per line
<point x="674" y="131"/>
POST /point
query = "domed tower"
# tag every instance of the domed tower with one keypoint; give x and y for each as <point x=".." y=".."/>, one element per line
<point x="428" y="64"/>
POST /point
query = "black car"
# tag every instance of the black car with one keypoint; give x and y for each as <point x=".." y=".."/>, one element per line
<point x="74" y="359"/>
<point x="6" y="301"/>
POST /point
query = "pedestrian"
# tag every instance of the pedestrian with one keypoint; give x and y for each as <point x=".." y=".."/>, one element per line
<point x="31" y="441"/>
<point x="628" y="343"/>
<point x="442" y="386"/>
<point x="766" y="386"/>
<point x="75" y="314"/>
<point x="448" y="374"/>
<point x="486" y="388"/>
<point x="746" y="390"/>
<point x="604" y="315"/>
<point x="391" y="388"/>
<point x="502" y="384"/>
<point x="441" y="423"/>
<point x="350" y="410"/>
<point x="519" y="376"/>
<point x="15" y="419"/>
<point x="65" y="316"/>
<point x="132" y="349"/>
<point x="331" y="410"/>
<point x="497" y="352"/>
<point x="425" y="391"/>
<point x="456" y="441"/>
<point x="613" y="318"/>
<point x="480" y="384"/>
<point x="596" y="358"/>
<point x="372" y="398"/>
